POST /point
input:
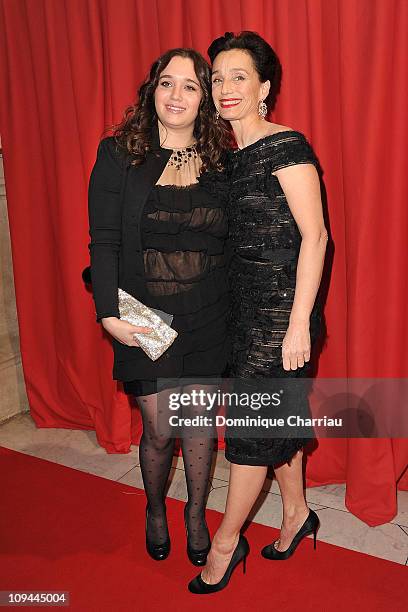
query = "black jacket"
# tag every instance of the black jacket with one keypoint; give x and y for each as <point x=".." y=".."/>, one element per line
<point x="117" y="194"/>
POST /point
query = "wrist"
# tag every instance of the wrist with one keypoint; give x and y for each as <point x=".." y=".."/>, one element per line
<point x="106" y="321"/>
<point x="299" y="320"/>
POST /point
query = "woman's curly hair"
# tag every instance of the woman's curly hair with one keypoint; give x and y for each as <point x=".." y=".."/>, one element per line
<point x="134" y="133"/>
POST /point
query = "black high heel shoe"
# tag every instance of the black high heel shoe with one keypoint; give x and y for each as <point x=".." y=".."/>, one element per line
<point x="197" y="557"/>
<point x="158" y="552"/>
<point x="310" y="525"/>
<point x="199" y="587"/>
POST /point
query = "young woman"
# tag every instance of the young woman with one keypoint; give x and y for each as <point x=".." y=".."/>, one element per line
<point x="158" y="233"/>
<point x="279" y="239"/>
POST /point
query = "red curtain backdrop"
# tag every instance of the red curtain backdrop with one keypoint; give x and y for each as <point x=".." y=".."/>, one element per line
<point x="69" y="68"/>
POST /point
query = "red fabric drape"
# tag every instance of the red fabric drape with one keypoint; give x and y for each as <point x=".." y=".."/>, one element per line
<point x="69" y="68"/>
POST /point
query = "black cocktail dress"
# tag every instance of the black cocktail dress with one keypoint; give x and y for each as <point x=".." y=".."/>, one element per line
<point x="265" y="240"/>
<point x="184" y="228"/>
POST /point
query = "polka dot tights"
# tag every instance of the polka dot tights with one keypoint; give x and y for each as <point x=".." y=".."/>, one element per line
<point x="156" y="453"/>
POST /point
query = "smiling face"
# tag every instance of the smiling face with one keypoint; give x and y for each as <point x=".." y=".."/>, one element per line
<point x="236" y="87"/>
<point x="178" y="94"/>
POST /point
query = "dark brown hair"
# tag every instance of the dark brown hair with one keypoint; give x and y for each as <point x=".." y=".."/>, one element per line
<point x="265" y="60"/>
<point x="134" y="132"/>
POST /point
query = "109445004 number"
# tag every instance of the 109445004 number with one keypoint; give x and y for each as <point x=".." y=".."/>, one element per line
<point x="34" y="598"/>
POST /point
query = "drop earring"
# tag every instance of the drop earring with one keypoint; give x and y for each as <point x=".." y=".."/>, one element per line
<point x="217" y="116"/>
<point x="262" y="109"/>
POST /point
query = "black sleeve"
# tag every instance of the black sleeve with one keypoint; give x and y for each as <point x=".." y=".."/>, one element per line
<point x="104" y="209"/>
<point x="290" y="149"/>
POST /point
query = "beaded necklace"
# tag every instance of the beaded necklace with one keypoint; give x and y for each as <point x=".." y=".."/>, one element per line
<point x="179" y="157"/>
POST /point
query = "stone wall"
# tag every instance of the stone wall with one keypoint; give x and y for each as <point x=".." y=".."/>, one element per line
<point x="13" y="398"/>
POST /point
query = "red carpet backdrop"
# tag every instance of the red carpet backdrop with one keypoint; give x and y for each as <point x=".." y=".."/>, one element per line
<point x="69" y="68"/>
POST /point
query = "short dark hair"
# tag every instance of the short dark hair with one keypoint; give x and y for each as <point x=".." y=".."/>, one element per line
<point x="265" y="59"/>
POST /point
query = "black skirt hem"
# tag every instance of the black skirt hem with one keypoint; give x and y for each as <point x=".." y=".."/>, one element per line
<point x="265" y="461"/>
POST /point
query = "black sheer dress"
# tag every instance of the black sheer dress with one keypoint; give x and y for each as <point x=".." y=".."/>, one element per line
<point x="266" y="242"/>
<point x="184" y="228"/>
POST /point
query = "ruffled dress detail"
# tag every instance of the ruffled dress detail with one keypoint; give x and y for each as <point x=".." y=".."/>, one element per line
<point x="184" y="229"/>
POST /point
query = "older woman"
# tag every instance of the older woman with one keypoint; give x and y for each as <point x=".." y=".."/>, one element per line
<point x="158" y="234"/>
<point x="279" y="240"/>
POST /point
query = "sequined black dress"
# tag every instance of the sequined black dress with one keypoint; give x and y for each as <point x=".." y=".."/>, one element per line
<point x="266" y="242"/>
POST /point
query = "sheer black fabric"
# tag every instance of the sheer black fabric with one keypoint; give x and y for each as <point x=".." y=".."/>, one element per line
<point x="184" y="229"/>
<point x="183" y="240"/>
<point x="156" y="454"/>
<point x="197" y="447"/>
<point x="266" y="243"/>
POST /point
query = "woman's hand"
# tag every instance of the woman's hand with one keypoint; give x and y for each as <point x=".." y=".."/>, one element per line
<point x="296" y="345"/>
<point x="123" y="331"/>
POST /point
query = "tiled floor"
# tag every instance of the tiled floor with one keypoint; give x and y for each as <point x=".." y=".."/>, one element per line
<point x="80" y="450"/>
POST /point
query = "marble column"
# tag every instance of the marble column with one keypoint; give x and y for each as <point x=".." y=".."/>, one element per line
<point x="13" y="398"/>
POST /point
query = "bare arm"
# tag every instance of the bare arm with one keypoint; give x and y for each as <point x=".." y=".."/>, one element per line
<point x="301" y="186"/>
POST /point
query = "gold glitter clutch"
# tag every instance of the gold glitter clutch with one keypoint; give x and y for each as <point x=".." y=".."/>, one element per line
<point x="136" y="313"/>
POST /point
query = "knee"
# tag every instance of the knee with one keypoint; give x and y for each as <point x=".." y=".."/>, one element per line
<point x="157" y="441"/>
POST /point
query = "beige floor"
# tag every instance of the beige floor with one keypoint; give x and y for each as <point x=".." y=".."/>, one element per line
<point x="80" y="450"/>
